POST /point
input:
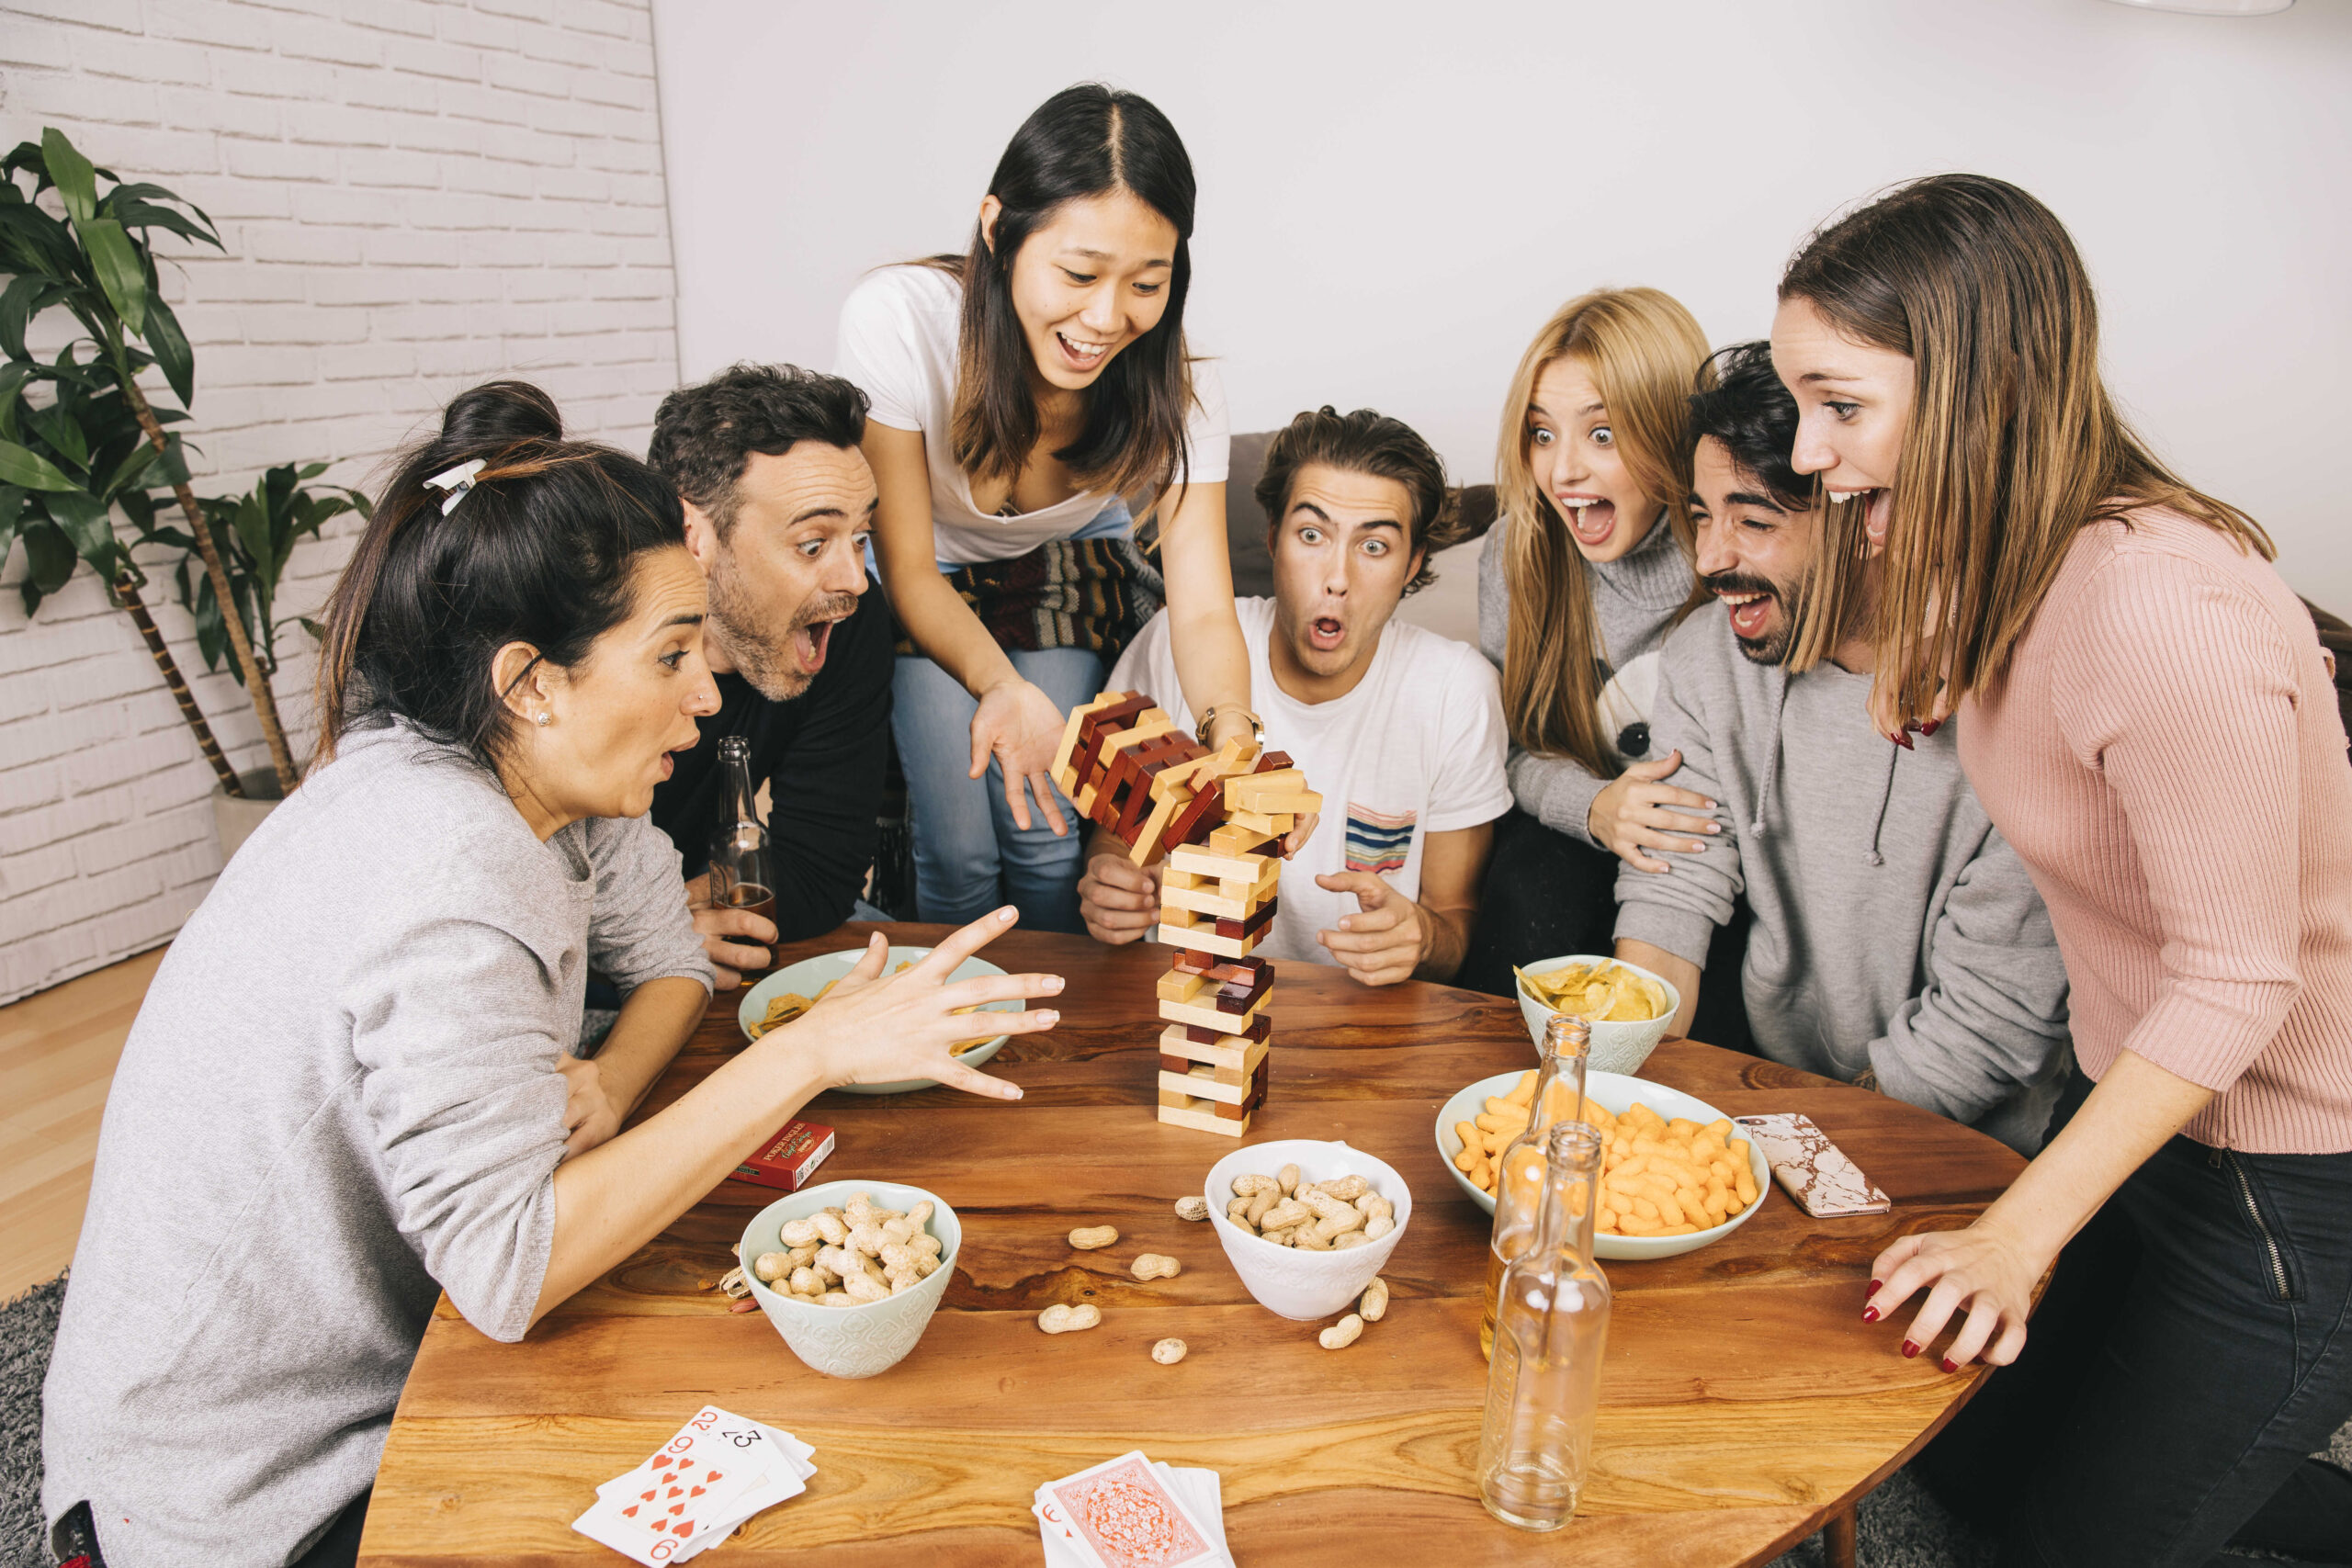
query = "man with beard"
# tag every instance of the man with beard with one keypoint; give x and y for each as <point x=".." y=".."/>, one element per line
<point x="779" y="502"/>
<point x="1897" y="941"/>
<point x="1399" y="729"/>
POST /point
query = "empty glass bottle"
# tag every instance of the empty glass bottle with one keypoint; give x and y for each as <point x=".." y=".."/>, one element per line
<point x="1518" y="1172"/>
<point x="741" y="874"/>
<point x="1543" y="1384"/>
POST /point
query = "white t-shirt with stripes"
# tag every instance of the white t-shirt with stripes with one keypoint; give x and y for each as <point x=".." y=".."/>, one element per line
<point x="1416" y="749"/>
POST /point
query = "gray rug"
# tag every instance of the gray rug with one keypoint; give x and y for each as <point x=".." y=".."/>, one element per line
<point x="1898" y="1525"/>
<point x="28" y="1326"/>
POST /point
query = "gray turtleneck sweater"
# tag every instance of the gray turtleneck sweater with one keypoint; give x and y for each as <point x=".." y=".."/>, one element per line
<point x="1895" y="929"/>
<point x="1633" y="601"/>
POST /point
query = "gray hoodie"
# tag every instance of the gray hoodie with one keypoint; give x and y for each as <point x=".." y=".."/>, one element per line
<point x="341" y="1097"/>
<point x="1633" y="601"/>
<point x="1894" y="929"/>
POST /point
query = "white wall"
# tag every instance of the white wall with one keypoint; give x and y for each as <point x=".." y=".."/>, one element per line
<point x="1396" y="193"/>
<point x="415" y="196"/>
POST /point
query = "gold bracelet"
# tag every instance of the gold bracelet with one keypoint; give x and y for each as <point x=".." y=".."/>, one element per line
<point x="1257" y="726"/>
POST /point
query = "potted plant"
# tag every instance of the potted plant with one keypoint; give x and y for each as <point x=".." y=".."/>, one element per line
<point x="95" y="440"/>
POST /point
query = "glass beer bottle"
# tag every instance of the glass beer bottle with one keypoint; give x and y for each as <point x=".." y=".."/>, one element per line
<point x="1544" y="1385"/>
<point x="1519" y="1171"/>
<point x="739" y="872"/>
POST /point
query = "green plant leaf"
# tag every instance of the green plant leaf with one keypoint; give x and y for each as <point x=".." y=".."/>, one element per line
<point x="34" y="242"/>
<point x="49" y="560"/>
<point x="253" y="532"/>
<point x="171" y="352"/>
<point x="211" y="633"/>
<point x="12" y="507"/>
<point x="116" y="260"/>
<point x="83" y="517"/>
<point x="127" y="474"/>
<point x="138" y="192"/>
<point x="145" y="215"/>
<point x="56" y="425"/>
<point x="76" y="182"/>
<point x="27" y="296"/>
<point x="21" y="467"/>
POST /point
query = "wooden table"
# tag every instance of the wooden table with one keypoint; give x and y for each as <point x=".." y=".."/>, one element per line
<point x="1744" y="1403"/>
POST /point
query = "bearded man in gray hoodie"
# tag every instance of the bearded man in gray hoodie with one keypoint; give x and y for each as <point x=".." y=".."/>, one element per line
<point x="1897" y="941"/>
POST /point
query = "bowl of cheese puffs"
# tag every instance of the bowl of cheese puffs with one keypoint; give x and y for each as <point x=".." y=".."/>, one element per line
<point x="794" y="989"/>
<point x="1675" y="1173"/>
<point x="1629" y="1008"/>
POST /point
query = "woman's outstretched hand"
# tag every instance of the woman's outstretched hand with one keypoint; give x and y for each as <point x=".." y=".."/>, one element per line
<point x="1981" y="1271"/>
<point x="1019" y="727"/>
<point x="1637" y="812"/>
<point x="878" y="1028"/>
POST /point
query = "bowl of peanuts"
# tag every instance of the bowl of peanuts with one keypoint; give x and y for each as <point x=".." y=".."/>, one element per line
<point x="1657" y="1137"/>
<point x="1307" y="1223"/>
<point x="794" y="989"/>
<point x="850" y="1272"/>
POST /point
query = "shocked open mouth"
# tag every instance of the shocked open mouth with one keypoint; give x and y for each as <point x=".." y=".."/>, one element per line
<point x="809" y="642"/>
<point x="1326" y="633"/>
<point x="1591" y="518"/>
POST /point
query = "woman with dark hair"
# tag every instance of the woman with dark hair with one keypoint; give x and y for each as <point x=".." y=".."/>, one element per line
<point x="352" y="1085"/>
<point x="2145" y="712"/>
<point x="1027" y="396"/>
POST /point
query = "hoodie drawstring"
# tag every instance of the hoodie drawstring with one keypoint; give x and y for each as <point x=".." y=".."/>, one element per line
<point x="1886" y="795"/>
<point x="1772" y="768"/>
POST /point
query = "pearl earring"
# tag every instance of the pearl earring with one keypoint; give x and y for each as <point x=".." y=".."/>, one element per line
<point x="545" y="719"/>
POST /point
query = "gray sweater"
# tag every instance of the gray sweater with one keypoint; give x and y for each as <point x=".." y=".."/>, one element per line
<point x="1894" y="927"/>
<point x="1633" y="601"/>
<point x="340" y="1098"/>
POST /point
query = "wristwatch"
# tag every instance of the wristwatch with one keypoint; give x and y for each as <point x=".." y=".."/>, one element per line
<point x="1257" y="726"/>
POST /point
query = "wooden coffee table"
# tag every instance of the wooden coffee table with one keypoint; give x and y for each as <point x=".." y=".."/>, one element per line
<point x="1745" y="1404"/>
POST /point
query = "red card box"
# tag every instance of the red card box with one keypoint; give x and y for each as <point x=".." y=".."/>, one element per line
<point x="789" y="1158"/>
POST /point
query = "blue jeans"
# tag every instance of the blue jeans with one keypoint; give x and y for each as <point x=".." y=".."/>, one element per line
<point x="970" y="857"/>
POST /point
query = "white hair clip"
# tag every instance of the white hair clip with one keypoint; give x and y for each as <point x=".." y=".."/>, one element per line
<point x="456" y="482"/>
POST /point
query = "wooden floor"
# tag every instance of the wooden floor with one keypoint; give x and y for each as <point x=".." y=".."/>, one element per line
<point x="57" y="1054"/>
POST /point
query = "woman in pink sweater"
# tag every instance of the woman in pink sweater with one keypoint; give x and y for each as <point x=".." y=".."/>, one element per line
<point x="2147" y="715"/>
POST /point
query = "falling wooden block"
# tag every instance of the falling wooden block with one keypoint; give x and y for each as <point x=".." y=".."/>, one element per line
<point x="1071" y="732"/>
<point x="1236" y="841"/>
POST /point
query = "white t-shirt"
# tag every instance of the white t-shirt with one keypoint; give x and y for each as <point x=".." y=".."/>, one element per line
<point x="1416" y="749"/>
<point x="899" y="332"/>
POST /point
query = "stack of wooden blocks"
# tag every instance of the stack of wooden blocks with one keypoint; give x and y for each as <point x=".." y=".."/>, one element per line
<point x="1124" y="765"/>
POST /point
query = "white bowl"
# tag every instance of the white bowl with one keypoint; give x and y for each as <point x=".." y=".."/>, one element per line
<point x="1299" y="1284"/>
<point x="872" y="1337"/>
<point x="1616" y="1047"/>
<point x="809" y="975"/>
<point x="1615" y="1093"/>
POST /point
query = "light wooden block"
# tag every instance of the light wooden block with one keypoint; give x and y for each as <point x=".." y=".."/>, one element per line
<point x="1204" y="901"/>
<point x="1069" y="733"/>
<point x="1204" y="938"/>
<point x="1232" y="1052"/>
<point x="1242" y="793"/>
<point x="1149" y="723"/>
<point x="1155" y="828"/>
<point x="1204" y="1120"/>
<point x="1292" y="803"/>
<point x="1178" y="986"/>
<point x="1205" y="1086"/>
<point x="1203" y="1017"/>
<point x="1258" y="822"/>
<point x="1170" y="877"/>
<point x="1236" y="842"/>
<point x="1219" y="864"/>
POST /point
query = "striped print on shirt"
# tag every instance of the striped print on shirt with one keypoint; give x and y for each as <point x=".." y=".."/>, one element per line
<point x="1378" y="840"/>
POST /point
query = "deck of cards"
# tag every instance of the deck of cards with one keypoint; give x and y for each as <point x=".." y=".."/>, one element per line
<point x="1131" y="1513"/>
<point x="697" y="1488"/>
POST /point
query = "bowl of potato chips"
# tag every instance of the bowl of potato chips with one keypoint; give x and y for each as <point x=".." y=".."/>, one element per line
<point x="1666" y="1151"/>
<point x="1629" y="1008"/>
<point x="794" y="989"/>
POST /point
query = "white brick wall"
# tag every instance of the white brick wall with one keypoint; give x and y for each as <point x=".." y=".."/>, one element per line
<point x="415" y="196"/>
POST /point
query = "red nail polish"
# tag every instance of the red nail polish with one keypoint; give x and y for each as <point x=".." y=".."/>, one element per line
<point x="1870" y="1314"/>
<point x="1930" y="727"/>
<point x="1950" y="1365"/>
<point x="1873" y="1290"/>
<point x="1909" y="1349"/>
<point x="1902" y="740"/>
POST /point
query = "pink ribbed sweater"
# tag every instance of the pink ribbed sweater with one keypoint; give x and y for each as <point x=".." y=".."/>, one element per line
<point x="2166" y="756"/>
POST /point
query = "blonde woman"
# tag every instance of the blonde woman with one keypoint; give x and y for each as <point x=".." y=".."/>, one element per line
<point x="1586" y="567"/>
<point x="2146" y="714"/>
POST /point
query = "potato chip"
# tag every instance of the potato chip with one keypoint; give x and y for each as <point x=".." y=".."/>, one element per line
<point x="1607" y="991"/>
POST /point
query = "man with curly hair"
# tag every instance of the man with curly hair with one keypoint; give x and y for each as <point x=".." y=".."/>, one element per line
<point x="779" y="502"/>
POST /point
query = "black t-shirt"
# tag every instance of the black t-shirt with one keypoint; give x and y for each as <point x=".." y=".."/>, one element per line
<point x="823" y="756"/>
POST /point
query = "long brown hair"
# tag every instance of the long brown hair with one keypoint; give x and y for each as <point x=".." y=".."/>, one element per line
<point x="1086" y="140"/>
<point x="2013" y="444"/>
<point x="1646" y="354"/>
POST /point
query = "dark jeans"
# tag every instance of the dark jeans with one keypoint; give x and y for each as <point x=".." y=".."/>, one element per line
<point x="1547" y="895"/>
<point x="2191" y="1349"/>
<point x="339" y="1548"/>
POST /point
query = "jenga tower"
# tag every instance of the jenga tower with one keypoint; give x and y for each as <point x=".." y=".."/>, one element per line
<point x="1124" y="765"/>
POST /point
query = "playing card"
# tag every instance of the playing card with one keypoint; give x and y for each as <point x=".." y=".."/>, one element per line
<point x="1199" y="1490"/>
<point x="1123" y="1513"/>
<point x="718" y="1471"/>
